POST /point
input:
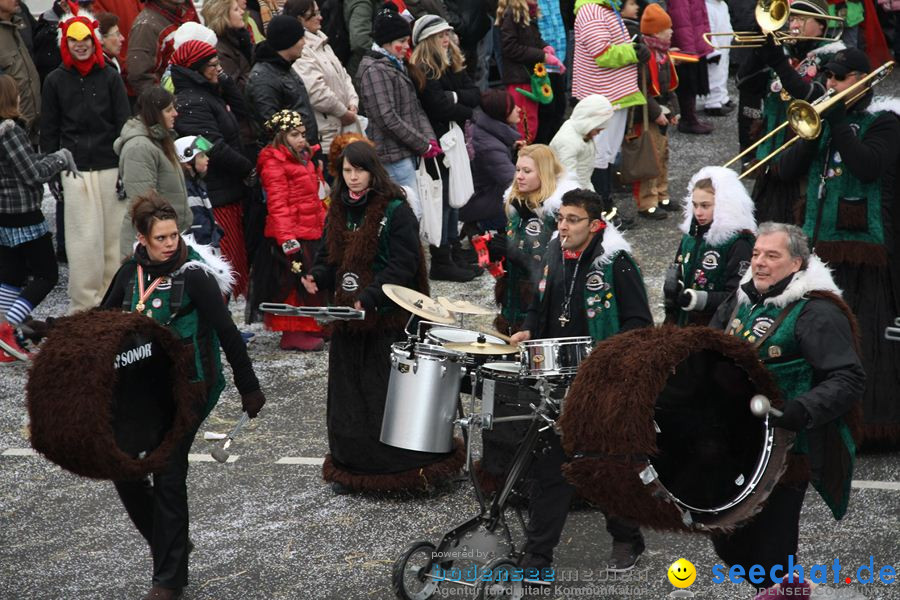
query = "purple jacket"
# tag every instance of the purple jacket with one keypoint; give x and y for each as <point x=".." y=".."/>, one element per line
<point x="689" y="22"/>
<point x="492" y="167"/>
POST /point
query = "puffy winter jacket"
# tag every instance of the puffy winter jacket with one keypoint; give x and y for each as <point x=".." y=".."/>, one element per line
<point x="689" y="22"/>
<point x="295" y="211"/>
<point x="84" y="114"/>
<point x="492" y="166"/>
<point x="208" y="110"/>
<point x="569" y="145"/>
<point x="274" y="86"/>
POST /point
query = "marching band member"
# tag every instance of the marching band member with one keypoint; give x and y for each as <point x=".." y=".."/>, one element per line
<point x="590" y="286"/>
<point x="181" y="286"/>
<point x="790" y="308"/>
<point x="715" y="249"/>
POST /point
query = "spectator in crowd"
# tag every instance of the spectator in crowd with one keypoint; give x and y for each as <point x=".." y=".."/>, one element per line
<point x="448" y="96"/>
<point x="28" y="270"/>
<point x="492" y="136"/>
<point x="269" y="9"/>
<point x="147" y="161"/>
<point x="185" y="33"/>
<point x="552" y="114"/>
<point x="84" y="106"/>
<point x="273" y="84"/>
<point x="29" y="25"/>
<point x="209" y="104"/>
<point x="148" y="50"/>
<point x="46" y="33"/>
<point x="16" y="61"/>
<point x="573" y="144"/>
<point x="294" y="226"/>
<point x="191" y="150"/>
<point x="111" y="39"/>
<point x="331" y="92"/>
<point x="359" y="17"/>
<point x="397" y="123"/>
<point x="689" y="22"/>
<point x="717" y="103"/>
<point x="235" y="46"/>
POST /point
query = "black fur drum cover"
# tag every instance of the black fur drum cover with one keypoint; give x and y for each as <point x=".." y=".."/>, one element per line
<point x="109" y="395"/>
<point x="695" y="385"/>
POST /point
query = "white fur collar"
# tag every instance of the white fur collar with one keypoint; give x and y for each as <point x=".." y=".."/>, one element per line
<point x="613" y="243"/>
<point x="734" y="207"/>
<point x="215" y="265"/>
<point x="885" y="104"/>
<point x="833" y="48"/>
<point x="564" y="183"/>
<point x="6" y="125"/>
<point x="815" y="277"/>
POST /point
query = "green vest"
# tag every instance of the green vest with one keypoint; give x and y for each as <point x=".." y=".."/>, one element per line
<point x="383" y="253"/>
<point x="845" y="209"/>
<point x="781" y="355"/>
<point x="185" y="323"/>
<point x="704" y="266"/>
<point x="531" y="237"/>
<point x="774" y="114"/>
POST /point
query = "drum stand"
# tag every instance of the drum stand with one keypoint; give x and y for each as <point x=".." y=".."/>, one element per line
<point x="483" y="544"/>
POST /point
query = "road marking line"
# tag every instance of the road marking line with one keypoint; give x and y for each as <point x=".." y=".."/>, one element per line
<point x="300" y="460"/>
<point x="209" y="458"/>
<point x="19" y="452"/>
<point x="862" y="484"/>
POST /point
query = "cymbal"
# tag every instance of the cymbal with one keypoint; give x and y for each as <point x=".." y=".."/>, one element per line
<point x="418" y="304"/>
<point x="464" y="307"/>
<point x="481" y="348"/>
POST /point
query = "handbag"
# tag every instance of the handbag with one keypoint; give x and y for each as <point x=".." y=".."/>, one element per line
<point x="456" y="159"/>
<point x="431" y="200"/>
<point x="639" y="159"/>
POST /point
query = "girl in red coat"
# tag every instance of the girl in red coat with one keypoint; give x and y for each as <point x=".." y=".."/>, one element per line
<point x="294" y="224"/>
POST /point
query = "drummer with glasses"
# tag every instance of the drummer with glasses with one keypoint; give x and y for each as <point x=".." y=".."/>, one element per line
<point x="590" y="286"/>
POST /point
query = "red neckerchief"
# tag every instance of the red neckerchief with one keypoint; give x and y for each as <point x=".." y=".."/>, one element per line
<point x="570" y="254"/>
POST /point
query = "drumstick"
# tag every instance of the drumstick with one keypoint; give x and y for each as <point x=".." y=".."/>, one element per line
<point x="221" y="453"/>
<point x="505" y="338"/>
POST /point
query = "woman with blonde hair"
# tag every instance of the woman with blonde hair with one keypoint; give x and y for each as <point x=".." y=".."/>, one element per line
<point x="448" y="96"/>
<point x="532" y="202"/>
<point x="235" y="45"/>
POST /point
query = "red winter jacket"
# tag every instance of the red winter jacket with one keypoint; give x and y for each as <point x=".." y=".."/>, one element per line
<point x="292" y="195"/>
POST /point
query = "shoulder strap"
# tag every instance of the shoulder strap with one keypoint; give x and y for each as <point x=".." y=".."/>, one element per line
<point x="776" y="323"/>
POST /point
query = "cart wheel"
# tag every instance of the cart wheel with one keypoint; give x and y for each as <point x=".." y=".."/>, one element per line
<point x="410" y="576"/>
<point x="500" y="585"/>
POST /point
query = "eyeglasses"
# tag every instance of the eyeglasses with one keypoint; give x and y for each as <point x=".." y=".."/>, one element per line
<point x="312" y="14"/>
<point x="571" y="220"/>
<point x="836" y="77"/>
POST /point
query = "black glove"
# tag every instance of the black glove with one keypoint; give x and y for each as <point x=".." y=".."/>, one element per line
<point x="684" y="298"/>
<point x="837" y="113"/>
<point x="252" y="402"/>
<point x="692" y="300"/>
<point x="771" y="53"/>
<point x="670" y="286"/>
<point x="56" y="190"/>
<point x="252" y="179"/>
<point x="642" y="51"/>
<point x="795" y="417"/>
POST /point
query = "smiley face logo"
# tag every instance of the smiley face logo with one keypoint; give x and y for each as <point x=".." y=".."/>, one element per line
<point x="682" y="573"/>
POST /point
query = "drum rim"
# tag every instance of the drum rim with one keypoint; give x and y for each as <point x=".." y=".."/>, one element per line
<point x="431" y="351"/>
<point x="580" y="339"/>
<point x="488" y="337"/>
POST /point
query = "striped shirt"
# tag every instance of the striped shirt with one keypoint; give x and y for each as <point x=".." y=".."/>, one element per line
<point x="596" y="29"/>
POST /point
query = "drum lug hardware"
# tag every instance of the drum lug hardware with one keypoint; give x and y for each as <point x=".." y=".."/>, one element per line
<point x="739" y="480"/>
<point x="687" y="519"/>
<point x="648" y="475"/>
<point x="656" y="426"/>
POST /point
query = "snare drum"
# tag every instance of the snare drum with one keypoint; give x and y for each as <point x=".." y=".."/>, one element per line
<point x="452" y="335"/>
<point x="422" y="397"/>
<point x="554" y="357"/>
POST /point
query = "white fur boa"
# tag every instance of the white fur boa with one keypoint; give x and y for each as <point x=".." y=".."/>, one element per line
<point x="214" y="264"/>
<point x="815" y="277"/>
<point x="734" y="207"/>
<point x="613" y="243"/>
<point x="885" y="104"/>
<point x="564" y="183"/>
<point x="832" y="48"/>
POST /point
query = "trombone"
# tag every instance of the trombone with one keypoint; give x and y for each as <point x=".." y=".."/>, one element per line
<point x="805" y="118"/>
<point x="772" y="16"/>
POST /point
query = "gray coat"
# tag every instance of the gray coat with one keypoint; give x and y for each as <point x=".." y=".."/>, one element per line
<point x="144" y="166"/>
<point x="397" y="122"/>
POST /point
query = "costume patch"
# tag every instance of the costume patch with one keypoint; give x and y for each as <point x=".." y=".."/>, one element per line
<point x="350" y="282"/>
<point x="533" y="227"/>
<point x="711" y="260"/>
<point x="165" y="284"/>
<point x="594" y="282"/>
<point x="761" y="326"/>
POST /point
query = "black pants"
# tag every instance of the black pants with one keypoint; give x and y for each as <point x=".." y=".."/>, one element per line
<point x="31" y="266"/>
<point x="160" y="512"/>
<point x="549" y="505"/>
<point x="769" y="538"/>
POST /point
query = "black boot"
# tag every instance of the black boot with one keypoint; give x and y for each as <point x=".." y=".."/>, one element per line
<point x="600" y="181"/>
<point x="444" y="269"/>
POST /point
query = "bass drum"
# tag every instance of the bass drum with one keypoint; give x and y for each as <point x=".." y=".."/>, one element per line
<point x="659" y="428"/>
<point x="109" y="395"/>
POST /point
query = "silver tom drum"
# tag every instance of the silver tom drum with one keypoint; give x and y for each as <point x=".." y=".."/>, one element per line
<point x="553" y="357"/>
<point x="421" y="397"/>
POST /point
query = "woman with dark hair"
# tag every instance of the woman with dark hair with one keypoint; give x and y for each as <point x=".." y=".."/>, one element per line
<point x="111" y="39"/>
<point x="194" y="310"/>
<point x="371" y="238"/>
<point x="148" y="161"/>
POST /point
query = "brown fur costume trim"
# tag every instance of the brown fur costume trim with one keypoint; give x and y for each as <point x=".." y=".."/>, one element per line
<point x="852" y="253"/>
<point x="421" y="479"/>
<point x="609" y="416"/>
<point x="70" y="395"/>
<point x="356" y="251"/>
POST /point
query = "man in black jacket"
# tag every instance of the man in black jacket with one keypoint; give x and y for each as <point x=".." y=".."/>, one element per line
<point x="273" y="83"/>
<point x="83" y="108"/>
<point x="789" y="307"/>
<point x="590" y="286"/>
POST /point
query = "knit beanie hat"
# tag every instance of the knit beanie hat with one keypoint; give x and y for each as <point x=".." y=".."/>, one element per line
<point x="497" y="104"/>
<point x="388" y="25"/>
<point x="193" y="54"/>
<point x="283" y="32"/>
<point x="655" y="20"/>
<point x="427" y="26"/>
<point x="193" y="31"/>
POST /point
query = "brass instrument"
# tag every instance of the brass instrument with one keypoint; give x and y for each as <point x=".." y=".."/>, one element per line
<point x="805" y="118"/>
<point x="772" y="16"/>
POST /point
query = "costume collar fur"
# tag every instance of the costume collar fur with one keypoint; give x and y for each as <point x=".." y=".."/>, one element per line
<point x="613" y="243"/>
<point x="734" y="207"/>
<point x="816" y="277"/>
<point x="885" y="104"/>
<point x="832" y="48"/>
<point x="215" y="265"/>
